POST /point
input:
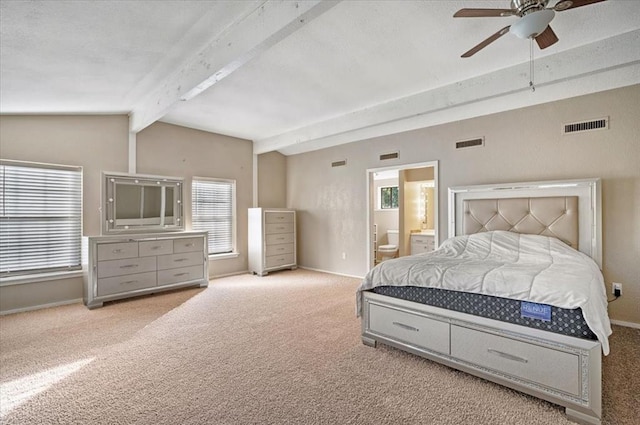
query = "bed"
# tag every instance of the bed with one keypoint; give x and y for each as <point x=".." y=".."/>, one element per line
<point x="514" y="295"/>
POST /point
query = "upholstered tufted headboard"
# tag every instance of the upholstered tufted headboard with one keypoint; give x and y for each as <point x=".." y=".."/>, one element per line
<point x="550" y="216"/>
<point x="548" y="208"/>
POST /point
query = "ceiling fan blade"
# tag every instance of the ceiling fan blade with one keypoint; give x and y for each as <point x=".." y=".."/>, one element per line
<point x="483" y="13"/>
<point x="488" y="41"/>
<point x="546" y="38"/>
<point x="572" y="4"/>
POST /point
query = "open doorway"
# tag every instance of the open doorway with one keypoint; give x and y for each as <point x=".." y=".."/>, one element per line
<point x="402" y="216"/>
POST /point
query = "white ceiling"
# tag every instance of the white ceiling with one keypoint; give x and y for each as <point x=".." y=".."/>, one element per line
<point x="297" y="76"/>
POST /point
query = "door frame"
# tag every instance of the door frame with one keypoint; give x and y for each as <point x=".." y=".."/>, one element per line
<point x="371" y="201"/>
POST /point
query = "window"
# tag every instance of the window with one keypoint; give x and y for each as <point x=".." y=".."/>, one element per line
<point x="40" y="218"/>
<point x="388" y="197"/>
<point x="213" y="210"/>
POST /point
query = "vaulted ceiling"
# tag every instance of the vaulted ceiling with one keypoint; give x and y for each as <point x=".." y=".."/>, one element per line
<point x="295" y="76"/>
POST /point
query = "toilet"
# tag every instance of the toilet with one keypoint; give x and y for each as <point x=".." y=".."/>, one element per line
<point x="391" y="249"/>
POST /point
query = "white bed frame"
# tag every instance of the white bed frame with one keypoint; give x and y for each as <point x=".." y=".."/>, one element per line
<point x="561" y="369"/>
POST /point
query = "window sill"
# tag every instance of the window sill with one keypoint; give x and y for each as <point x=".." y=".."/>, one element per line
<point x="215" y="257"/>
<point x="41" y="277"/>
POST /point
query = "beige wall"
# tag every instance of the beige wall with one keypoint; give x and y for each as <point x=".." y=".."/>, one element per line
<point x="272" y="180"/>
<point x="96" y="143"/>
<point x="170" y="150"/>
<point x="520" y="145"/>
<point x="100" y="143"/>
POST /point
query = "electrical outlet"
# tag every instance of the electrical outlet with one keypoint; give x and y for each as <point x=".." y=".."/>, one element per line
<point x="616" y="289"/>
<point x="344" y="255"/>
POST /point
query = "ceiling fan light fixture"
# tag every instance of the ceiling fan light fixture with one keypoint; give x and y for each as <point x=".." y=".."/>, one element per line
<point x="532" y="24"/>
<point x="563" y="5"/>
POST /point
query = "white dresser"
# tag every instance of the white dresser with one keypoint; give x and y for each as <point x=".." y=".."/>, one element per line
<point x="421" y="242"/>
<point x="124" y="266"/>
<point x="272" y="240"/>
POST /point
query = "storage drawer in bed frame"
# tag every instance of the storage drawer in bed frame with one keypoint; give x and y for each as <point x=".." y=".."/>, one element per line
<point x="558" y="368"/>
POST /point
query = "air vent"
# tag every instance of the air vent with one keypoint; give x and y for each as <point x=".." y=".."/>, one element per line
<point x="392" y="155"/>
<point x="470" y="143"/>
<point x="339" y="163"/>
<point x="578" y="127"/>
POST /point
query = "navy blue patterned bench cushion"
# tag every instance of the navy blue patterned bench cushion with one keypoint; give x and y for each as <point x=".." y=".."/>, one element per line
<point x="563" y="321"/>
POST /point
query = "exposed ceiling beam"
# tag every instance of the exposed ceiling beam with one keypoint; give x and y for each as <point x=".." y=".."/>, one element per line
<point x="246" y="39"/>
<point x="495" y="92"/>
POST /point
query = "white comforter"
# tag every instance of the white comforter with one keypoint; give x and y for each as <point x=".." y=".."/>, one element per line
<point x="533" y="268"/>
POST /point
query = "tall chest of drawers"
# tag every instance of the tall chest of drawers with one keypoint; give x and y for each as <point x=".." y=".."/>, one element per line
<point x="124" y="266"/>
<point x="272" y="240"/>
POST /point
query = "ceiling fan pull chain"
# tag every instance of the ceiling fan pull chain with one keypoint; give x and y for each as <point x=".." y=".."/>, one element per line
<point x="533" y="88"/>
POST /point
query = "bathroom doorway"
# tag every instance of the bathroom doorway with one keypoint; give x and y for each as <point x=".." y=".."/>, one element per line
<point x="402" y="216"/>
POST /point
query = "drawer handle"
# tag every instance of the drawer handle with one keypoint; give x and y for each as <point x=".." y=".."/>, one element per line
<point x="507" y="356"/>
<point x="117" y="251"/>
<point x="128" y="282"/>
<point x="179" y="260"/>
<point x="129" y="266"/>
<point x="156" y="247"/>
<point x="181" y="274"/>
<point x="407" y="327"/>
<point x="189" y="244"/>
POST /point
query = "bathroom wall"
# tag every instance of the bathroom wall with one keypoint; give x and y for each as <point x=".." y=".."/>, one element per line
<point x="385" y="219"/>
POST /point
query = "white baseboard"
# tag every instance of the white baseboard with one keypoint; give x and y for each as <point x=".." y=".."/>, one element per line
<point x="329" y="272"/>
<point x="626" y="324"/>
<point x="79" y="300"/>
<point x="40" y="307"/>
<point x="218" y="276"/>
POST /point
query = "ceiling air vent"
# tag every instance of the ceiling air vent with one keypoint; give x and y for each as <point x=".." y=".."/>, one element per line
<point x="392" y="155"/>
<point x="340" y="163"/>
<point x="578" y="127"/>
<point x="470" y="143"/>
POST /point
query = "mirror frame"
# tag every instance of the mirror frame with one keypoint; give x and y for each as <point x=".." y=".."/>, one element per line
<point x="110" y="181"/>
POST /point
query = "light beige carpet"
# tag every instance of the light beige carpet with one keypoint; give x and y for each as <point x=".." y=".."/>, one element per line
<point x="281" y="349"/>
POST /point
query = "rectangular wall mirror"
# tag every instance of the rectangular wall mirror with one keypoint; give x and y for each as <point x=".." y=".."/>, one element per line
<point x="141" y="203"/>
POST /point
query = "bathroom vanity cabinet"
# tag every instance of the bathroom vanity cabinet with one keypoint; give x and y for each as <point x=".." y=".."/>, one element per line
<point x="421" y="242"/>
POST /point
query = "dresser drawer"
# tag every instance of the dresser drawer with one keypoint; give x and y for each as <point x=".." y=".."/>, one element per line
<point x="410" y="328"/>
<point x="130" y="282"/>
<point x="278" y="260"/>
<point x="159" y="247"/>
<point x="420" y="248"/>
<point x="279" y="238"/>
<point x="188" y="245"/>
<point x="273" y="228"/>
<point x="546" y="366"/>
<point x="181" y="274"/>
<point x="182" y="259"/>
<point x="422" y="240"/>
<point x="116" y="251"/>
<point x="127" y="266"/>
<point x="422" y="243"/>
<point x="278" y="217"/>
<point x="284" y="248"/>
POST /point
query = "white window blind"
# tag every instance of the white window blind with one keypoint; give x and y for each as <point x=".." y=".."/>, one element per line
<point x="213" y="211"/>
<point x="40" y="218"/>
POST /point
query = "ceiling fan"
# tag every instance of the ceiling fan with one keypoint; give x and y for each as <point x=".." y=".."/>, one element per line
<point x="533" y="23"/>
